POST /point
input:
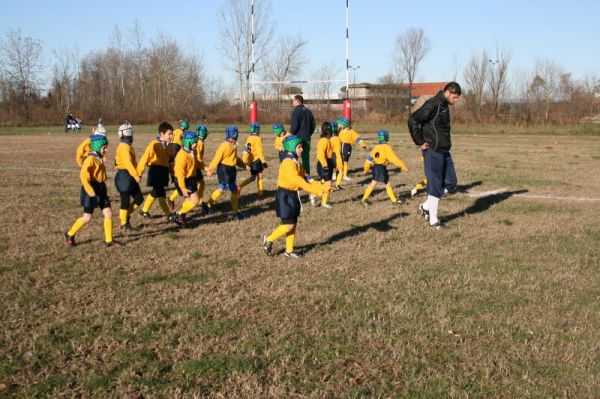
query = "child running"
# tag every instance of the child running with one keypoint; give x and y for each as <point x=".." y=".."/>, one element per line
<point x="202" y="132"/>
<point x="176" y="142"/>
<point x="127" y="178"/>
<point x="336" y="144"/>
<point x="93" y="193"/>
<point x="224" y="163"/>
<point x="254" y="157"/>
<point x="325" y="160"/>
<point x="292" y="178"/>
<point x="348" y="137"/>
<point x="159" y="158"/>
<point x="381" y="155"/>
<point x="186" y="172"/>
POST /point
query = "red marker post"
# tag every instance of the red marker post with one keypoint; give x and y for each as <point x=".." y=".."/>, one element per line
<point x="347" y="111"/>
<point x="253" y="111"/>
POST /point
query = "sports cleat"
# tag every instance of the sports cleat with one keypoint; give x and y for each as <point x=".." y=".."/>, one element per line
<point x="346" y="178"/>
<point x="312" y="200"/>
<point x="326" y="206"/>
<point x="365" y="203"/>
<point x="205" y="208"/>
<point x="145" y="214"/>
<point x="423" y="212"/>
<point x="438" y="226"/>
<point x="413" y="192"/>
<point x="69" y="240"/>
<point x="267" y="246"/>
<point x="127" y="227"/>
<point x="398" y="202"/>
<point x="293" y="255"/>
<point x="177" y="219"/>
<point x="112" y="244"/>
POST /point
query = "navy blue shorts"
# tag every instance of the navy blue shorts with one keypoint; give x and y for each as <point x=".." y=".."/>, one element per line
<point x="199" y="176"/>
<point x="346" y="151"/>
<point x="380" y="173"/>
<point x="256" y="167"/>
<point x="321" y="172"/>
<point x="125" y="183"/>
<point x="101" y="199"/>
<point x="158" y="176"/>
<point x="191" y="183"/>
<point x="287" y="205"/>
<point x="226" y="174"/>
<point x="440" y="172"/>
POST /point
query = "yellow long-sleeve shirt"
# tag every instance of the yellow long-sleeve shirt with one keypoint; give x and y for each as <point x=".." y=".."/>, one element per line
<point x="324" y="151"/>
<point x="293" y="177"/>
<point x="186" y="165"/>
<point x="351" y="136"/>
<point x="227" y="155"/>
<point x="253" y="150"/>
<point x="336" y="144"/>
<point x="278" y="143"/>
<point x="83" y="149"/>
<point x="383" y="154"/>
<point x="157" y="153"/>
<point x="92" y="170"/>
<point x="177" y="135"/>
<point x="200" y="154"/>
<point x="125" y="160"/>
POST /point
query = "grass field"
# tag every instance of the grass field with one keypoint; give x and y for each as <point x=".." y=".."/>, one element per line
<point x="505" y="303"/>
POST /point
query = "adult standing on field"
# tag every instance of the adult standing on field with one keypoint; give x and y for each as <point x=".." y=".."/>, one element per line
<point x="429" y="128"/>
<point x="303" y="125"/>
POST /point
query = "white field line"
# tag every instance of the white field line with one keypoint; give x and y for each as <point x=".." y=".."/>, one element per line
<point x="476" y="194"/>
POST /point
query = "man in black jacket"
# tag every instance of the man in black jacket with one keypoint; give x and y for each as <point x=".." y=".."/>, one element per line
<point x="429" y="128"/>
<point x="303" y="125"/>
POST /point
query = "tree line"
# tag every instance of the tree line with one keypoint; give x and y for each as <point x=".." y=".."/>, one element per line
<point x="156" y="79"/>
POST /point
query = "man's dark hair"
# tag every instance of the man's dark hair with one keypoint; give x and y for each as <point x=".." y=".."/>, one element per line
<point x="326" y="129"/>
<point x="299" y="98"/>
<point x="163" y="127"/>
<point x="453" y="87"/>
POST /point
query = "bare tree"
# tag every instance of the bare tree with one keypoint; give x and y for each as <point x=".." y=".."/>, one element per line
<point x="236" y="39"/>
<point x="66" y="73"/>
<point x="475" y="75"/>
<point x="543" y="89"/>
<point x="323" y="78"/>
<point x="286" y="63"/>
<point x="498" y="78"/>
<point x="21" y="63"/>
<point x="410" y="49"/>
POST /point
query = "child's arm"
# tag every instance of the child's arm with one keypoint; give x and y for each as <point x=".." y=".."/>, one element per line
<point x="85" y="175"/>
<point x="369" y="162"/>
<point x="359" y="140"/>
<point x="321" y="148"/>
<point x="80" y="154"/>
<point x="216" y="159"/>
<point x="125" y="155"/>
<point x="395" y="160"/>
<point x="246" y="151"/>
<point x="144" y="159"/>
<point x="179" y="171"/>
<point x="260" y="152"/>
<point x="298" y="179"/>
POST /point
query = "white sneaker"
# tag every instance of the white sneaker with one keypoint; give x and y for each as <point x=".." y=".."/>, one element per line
<point x="346" y="178"/>
<point x="413" y="192"/>
<point x="326" y="206"/>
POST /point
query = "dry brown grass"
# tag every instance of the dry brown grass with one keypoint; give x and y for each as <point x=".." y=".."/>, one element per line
<point x="504" y="304"/>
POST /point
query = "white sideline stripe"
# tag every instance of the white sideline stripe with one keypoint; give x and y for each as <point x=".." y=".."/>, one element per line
<point x="476" y="194"/>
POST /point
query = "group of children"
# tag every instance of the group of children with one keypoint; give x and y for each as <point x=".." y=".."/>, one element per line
<point x="178" y="156"/>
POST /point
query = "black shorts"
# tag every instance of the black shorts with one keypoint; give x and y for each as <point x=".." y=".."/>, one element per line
<point x="158" y="176"/>
<point x="256" y="167"/>
<point x="226" y="174"/>
<point x="125" y="183"/>
<point x="176" y="148"/>
<point x="191" y="183"/>
<point x="346" y="151"/>
<point x="380" y="173"/>
<point x="321" y="172"/>
<point x="199" y="176"/>
<point x="287" y="205"/>
<point x="101" y="199"/>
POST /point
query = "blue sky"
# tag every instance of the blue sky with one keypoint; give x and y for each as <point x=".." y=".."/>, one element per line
<point x="565" y="32"/>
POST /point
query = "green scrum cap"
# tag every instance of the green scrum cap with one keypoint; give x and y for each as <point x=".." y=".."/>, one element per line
<point x="291" y="142"/>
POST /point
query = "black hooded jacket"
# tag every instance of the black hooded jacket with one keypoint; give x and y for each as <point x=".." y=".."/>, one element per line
<point x="431" y="124"/>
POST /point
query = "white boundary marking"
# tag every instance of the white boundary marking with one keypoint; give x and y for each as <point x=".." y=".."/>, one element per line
<point x="475" y="194"/>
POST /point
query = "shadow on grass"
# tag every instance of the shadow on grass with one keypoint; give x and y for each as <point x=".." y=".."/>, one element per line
<point x="464" y="188"/>
<point x="482" y="204"/>
<point x="382" y="226"/>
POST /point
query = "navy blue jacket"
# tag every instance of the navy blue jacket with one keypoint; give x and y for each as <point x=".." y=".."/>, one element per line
<point x="303" y="122"/>
<point x="431" y="124"/>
